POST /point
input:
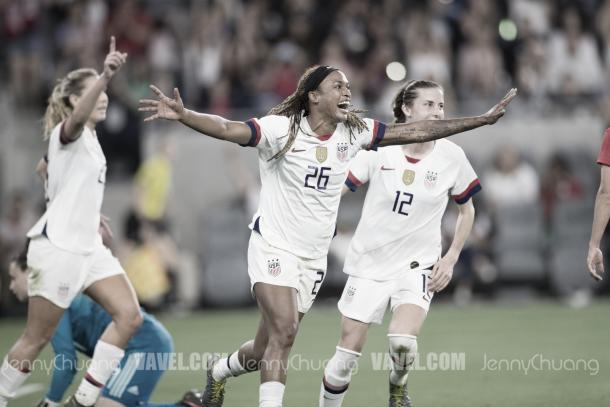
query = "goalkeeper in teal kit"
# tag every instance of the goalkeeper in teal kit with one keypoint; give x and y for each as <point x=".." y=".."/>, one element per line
<point x="79" y="329"/>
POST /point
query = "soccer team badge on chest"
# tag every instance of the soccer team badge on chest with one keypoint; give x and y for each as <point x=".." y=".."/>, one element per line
<point x="430" y="179"/>
<point x="321" y="154"/>
<point x="408" y="176"/>
<point x="342" y="152"/>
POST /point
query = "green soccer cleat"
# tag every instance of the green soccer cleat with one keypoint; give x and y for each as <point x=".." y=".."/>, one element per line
<point x="399" y="396"/>
<point x="214" y="392"/>
<point x="191" y="398"/>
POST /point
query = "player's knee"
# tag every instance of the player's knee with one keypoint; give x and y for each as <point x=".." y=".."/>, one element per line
<point x="37" y="340"/>
<point x="129" y="319"/>
<point x="403" y="350"/>
<point x="338" y="371"/>
<point x="283" y="335"/>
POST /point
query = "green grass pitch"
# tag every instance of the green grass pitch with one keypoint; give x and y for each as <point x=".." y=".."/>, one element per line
<point x="497" y="343"/>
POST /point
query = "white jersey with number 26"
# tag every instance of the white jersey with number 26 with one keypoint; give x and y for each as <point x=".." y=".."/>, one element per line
<point x="301" y="191"/>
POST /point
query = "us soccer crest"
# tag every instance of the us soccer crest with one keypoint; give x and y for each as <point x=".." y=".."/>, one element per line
<point x="342" y="151"/>
<point x="430" y="179"/>
<point x="273" y="266"/>
<point x="408" y="177"/>
<point x="321" y="154"/>
<point x="351" y="291"/>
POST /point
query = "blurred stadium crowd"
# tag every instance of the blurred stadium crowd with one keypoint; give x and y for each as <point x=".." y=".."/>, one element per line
<point x="238" y="58"/>
<point x="248" y="54"/>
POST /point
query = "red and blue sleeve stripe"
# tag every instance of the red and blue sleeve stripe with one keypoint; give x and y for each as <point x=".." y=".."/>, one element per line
<point x="378" y="133"/>
<point x="256" y="133"/>
<point x="352" y="182"/>
<point x="473" y="188"/>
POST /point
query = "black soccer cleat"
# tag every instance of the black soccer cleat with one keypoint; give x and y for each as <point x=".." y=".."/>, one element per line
<point x="191" y="398"/>
<point x="73" y="403"/>
<point x="399" y="396"/>
<point x="214" y="392"/>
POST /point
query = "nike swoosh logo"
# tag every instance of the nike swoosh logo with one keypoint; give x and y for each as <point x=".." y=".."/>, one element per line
<point x="384" y="168"/>
<point x="294" y="150"/>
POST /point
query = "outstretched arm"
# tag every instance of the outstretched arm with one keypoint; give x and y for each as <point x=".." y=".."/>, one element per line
<point x="443" y="269"/>
<point x="595" y="259"/>
<point x="86" y="103"/>
<point x="428" y="130"/>
<point x="211" y="125"/>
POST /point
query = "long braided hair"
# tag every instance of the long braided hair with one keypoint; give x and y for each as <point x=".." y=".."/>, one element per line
<point x="59" y="106"/>
<point x="406" y="95"/>
<point x="298" y="102"/>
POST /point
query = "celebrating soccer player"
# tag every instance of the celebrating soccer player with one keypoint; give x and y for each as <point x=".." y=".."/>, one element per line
<point x="304" y="147"/>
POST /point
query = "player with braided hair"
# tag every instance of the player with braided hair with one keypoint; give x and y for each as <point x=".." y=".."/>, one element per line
<point x="304" y="147"/>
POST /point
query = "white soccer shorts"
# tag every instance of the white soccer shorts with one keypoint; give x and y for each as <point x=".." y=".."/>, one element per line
<point x="366" y="300"/>
<point x="271" y="265"/>
<point x="59" y="275"/>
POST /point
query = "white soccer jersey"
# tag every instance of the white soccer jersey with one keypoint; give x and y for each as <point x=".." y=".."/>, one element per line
<point x="400" y="226"/>
<point x="75" y="190"/>
<point x="300" y="192"/>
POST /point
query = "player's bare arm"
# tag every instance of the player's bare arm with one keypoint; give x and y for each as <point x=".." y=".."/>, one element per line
<point x="173" y="109"/>
<point x="601" y="214"/>
<point x="443" y="269"/>
<point x="84" y="105"/>
<point x="428" y="130"/>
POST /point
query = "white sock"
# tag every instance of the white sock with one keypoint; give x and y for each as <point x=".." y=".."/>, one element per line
<point x="10" y="380"/>
<point x="337" y="375"/>
<point x="106" y="358"/>
<point x="228" y="367"/>
<point x="271" y="394"/>
<point x="403" y="350"/>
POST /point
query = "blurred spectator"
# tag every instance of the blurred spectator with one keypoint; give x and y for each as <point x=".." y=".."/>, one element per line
<point x="574" y="65"/>
<point x="151" y="264"/>
<point x="559" y="184"/>
<point x="510" y="180"/>
<point x="17" y="219"/>
<point x="152" y="185"/>
<point x="475" y="266"/>
<point x="20" y="21"/>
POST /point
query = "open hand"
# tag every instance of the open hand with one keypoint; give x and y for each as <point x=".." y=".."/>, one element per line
<point x="164" y="108"/>
<point x="498" y="110"/>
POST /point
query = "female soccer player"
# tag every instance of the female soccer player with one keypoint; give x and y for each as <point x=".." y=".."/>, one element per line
<point x="395" y="254"/>
<point x="80" y="328"/>
<point x="66" y="254"/>
<point x="304" y="148"/>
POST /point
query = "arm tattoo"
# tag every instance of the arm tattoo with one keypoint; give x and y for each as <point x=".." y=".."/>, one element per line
<point x="428" y="130"/>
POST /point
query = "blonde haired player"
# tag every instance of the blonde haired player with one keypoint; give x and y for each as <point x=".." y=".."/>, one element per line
<point x="304" y="147"/>
<point x="66" y="254"/>
<point x="395" y="255"/>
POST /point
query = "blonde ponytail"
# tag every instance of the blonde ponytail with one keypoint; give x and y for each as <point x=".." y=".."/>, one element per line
<point x="58" y="104"/>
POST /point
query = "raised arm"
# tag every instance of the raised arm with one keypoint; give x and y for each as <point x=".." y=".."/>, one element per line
<point x="84" y="105"/>
<point x="427" y="130"/>
<point x="601" y="214"/>
<point x="443" y="269"/>
<point x="210" y="125"/>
